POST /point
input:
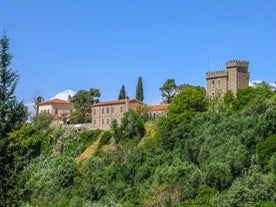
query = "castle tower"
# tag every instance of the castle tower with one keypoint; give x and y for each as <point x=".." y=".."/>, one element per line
<point x="238" y="75"/>
<point x="234" y="77"/>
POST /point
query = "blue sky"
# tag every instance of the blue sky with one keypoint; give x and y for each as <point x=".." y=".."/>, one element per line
<point x="67" y="44"/>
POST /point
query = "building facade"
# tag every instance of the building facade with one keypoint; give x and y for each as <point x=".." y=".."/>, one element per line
<point x="104" y="113"/>
<point x="56" y="107"/>
<point x="235" y="76"/>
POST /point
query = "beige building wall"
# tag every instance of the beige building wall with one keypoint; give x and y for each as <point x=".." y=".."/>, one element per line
<point x="104" y="113"/>
<point x="56" y="107"/>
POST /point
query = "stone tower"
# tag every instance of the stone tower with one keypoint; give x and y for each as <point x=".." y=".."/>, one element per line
<point x="234" y="77"/>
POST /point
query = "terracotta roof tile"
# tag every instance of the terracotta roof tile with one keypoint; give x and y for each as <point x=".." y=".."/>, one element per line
<point x="114" y="102"/>
<point x="159" y="107"/>
<point x="56" y="101"/>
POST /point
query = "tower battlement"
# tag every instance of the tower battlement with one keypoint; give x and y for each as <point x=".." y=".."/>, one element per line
<point x="237" y="63"/>
<point x="216" y="74"/>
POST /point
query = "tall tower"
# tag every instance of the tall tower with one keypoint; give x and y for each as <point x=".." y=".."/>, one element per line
<point x="238" y="75"/>
<point x="234" y="77"/>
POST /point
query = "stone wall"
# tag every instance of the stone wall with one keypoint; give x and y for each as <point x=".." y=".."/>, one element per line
<point x="235" y="76"/>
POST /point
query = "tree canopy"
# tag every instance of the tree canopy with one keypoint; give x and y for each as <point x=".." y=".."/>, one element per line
<point x="168" y="90"/>
<point x="82" y="101"/>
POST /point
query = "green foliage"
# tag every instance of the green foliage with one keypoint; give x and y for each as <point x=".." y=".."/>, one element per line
<point x="140" y="90"/>
<point x="186" y="104"/>
<point x="105" y="139"/>
<point x="168" y="90"/>
<point x="122" y="94"/>
<point x="116" y="131"/>
<point x="143" y="112"/>
<point x="132" y="125"/>
<point x="245" y="95"/>
<point x="265" y="150"/>
<point x="228" y="98"/>
<point x="42" y="121"/>
<point x="248" y="190"/>
<point x="47" y="176"/>
<point x="82" y="101"/>
<point x="218" y="175"/>
<point x="12" y="115"/>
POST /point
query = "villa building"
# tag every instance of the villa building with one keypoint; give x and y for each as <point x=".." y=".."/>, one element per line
<point x="56" y="107"/>
<point x="104" y="113"/>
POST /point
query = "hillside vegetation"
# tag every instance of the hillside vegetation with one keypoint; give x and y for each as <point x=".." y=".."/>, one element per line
<point x="202" y="153"/>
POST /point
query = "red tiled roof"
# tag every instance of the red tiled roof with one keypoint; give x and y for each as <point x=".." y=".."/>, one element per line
<point x="114" y="102"/>
<point x="159" y="107"/>
<point x="56" y="101"/>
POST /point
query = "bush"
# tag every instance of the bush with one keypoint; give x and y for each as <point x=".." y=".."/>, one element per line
<point x="105" y="139"/>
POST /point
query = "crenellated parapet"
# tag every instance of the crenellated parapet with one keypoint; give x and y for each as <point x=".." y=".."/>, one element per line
<point x="216" y="74"/>
<point x="237" y="63"/>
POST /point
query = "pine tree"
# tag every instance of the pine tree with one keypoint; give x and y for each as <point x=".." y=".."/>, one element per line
<point x="139" y="90"/>
<point x="12" y="115"/>
<point x="122" y="94"/>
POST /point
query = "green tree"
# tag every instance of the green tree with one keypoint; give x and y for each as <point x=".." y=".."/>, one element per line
<point x="228" y="98"/>
<point x="265" y="150"/>
<point x="186" y="104"/>
<point x="168" y="90"/>
<point x="12" y="114"/>
<point x="37" y="101"/>
<point x="143" y="111"/>
<point x="42" y="121"/>
<point x="122" y="94"/>
<point x="83" y="100"/>
<point x="140" y="90"/>
<point x="132" y="125"/>
<point x="182" y="86"/>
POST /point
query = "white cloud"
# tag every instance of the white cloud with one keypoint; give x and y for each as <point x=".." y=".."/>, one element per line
<point x="63" y="95"/>
<point x="251" y="83"/>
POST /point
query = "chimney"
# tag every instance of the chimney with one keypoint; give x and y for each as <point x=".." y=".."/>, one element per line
<point x="127" y="102"/>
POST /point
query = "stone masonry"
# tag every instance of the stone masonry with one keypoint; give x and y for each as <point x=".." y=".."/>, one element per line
<point x="235" y="76"/>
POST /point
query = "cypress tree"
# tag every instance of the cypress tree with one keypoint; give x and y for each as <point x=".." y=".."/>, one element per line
<point x="122" y="94"/>
<point x="139" y="90"/>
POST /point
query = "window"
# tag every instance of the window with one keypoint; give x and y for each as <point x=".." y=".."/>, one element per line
<point x="102" y="121"/>
<point x="213" y="82"/>
<point x="121" y="109"/>
<point x="107" y="110"/>
<point x="218" y="82"/>
<point x="107" y="121"/>
<point x="56" y="111"/>
<point x="94" y="121"/>
<point x="112" y="109"/>
<point x="94" y="111"/>
<point x="102" y="110"/>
